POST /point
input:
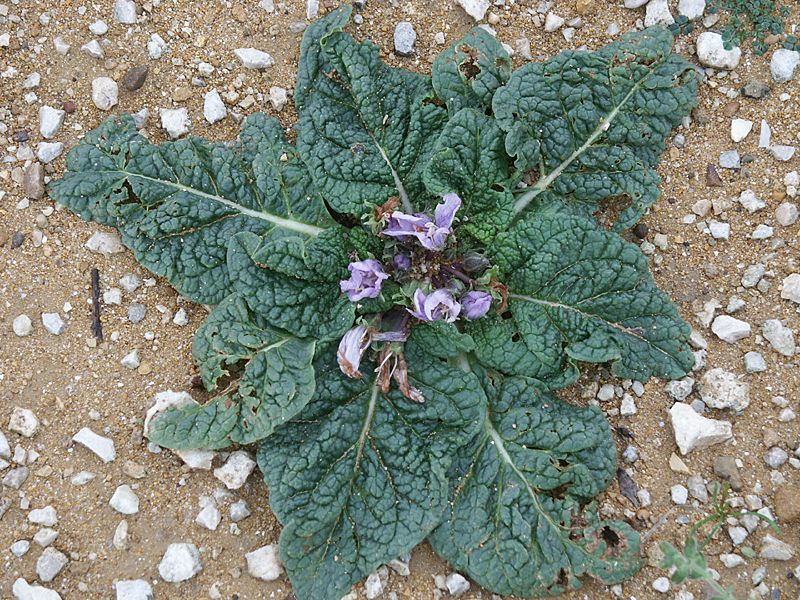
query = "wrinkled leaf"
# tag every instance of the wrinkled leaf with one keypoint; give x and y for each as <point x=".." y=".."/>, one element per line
<point x="516" y="522"/>
<point x="592" y="125"/>
<point x="470" y="159"/>
<point x="177" y="204"/>
<point x="360" y="478"/>
<point x="276" y="383"/>
<point x="579" y="292"/>
<point x="367" y="131"/>
<point x="441" y="339"/>
<point x="468" y="73"/>
<point x="286" y="289"/>
<point x="312" y="60"/>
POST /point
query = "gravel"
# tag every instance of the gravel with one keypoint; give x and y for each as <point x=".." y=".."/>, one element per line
<point x="124" y="500"/>
<point x="780" y="337"/>
<point x="278" y="97"/>
<point x="209" y="517"/>
<point x="93" y="49"/>
<point x="105" y="243"/>
<point x="53" y="323"/>
<point x="251" y="58"/>
<point x="47" y="152"/>
<point x="264" y="563"/>
<point x="50" y="564"/>
<point x="776" y="457"/>
<point x="711" y="52"/>
<point x="180" y="562"/>
<point x="50" y="121"/>
<point x="22" y="590"/>
<point x="457" y="585"/>
<point x="133" y="589"/>
<point x="475" y="8"/>
<point x="156" y="47"/>
<point x="783" y="64"/>
<point x="175" y="121"/>
<point x="105" y="93"/>
<point x="101" y="446"/>
<point x="131" y="359"/>
<point x="236" y="470"/>
<point x="22" y="325"/>
<point x="775" y="549"/>
<point x="125" y="11"/>
<point x="23" y="422"/>
<point x="786" y="214"/>
<point x="691" y="9"/>
<point x="136" y="312"/>
<point x="43" y="516"/>
<point x="239" y="511"/>
<point x="696" y="432"/>
<point x="213" y="107"/>
<point x="729" y="329"/>
<point x="754" y="362"/>
<point x="404" y="38"/>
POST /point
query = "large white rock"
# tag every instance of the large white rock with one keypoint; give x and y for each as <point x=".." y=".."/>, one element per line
<point x="5" y="448"/>
<point x="751" y="202"/>
<point x="694" y="431"/>
<point x="156" y="46"/>
<point x="213" y="107"/>
<point x="43" y="516"/>
<point x="657" y="13"/>
<point x="209" y="517"/>
<point x="124" y="500"/>
<point x="253" y="58"/>
<point x="22" y="325"/>
<point x="22" y="590"/>
<point x="722" y="389"/>
<point x="711" y="52"/>
<point x="236" y="470"/>
<point x="175" y="121"/>
<point x="691" y="9"/>
<point x="105" y="93"/>
<point x="50" y="564"/>
<point x="50" y="121"/>
<point x="783" y="64"/>
<point x="475" y="8"/>
<point x="264" y="563"/>
<point x="180" y="562"/>
<point x="740" y="129"/>
<point x="103" y="447"/>
<point x="53" y="323"/>
<point x="635" y="3"/>
<point x="105" y="243"/>
<point x="133" y="589"/>
<point x="790" y="288"/>
<point x="780" y="337"/>
<point x="729" y="329"/>
<point x="23" y="422"/>
<point x="125" y="11"/>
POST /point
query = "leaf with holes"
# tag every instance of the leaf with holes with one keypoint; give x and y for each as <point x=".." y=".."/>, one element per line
<point x="516" y="521"/>
<point x="592" y="125"/>
<point x="178" y="204"/>
<point x="368" y="130"/>
<point x="275" y="384"/>
<point x="577" y="292"/>
<point x="359" y="478"/>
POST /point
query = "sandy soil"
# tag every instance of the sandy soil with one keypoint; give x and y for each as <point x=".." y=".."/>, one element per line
<point x="70" y="382"/>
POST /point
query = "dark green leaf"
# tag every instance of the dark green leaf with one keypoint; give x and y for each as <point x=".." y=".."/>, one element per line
<point x="469" y="72"/>
<point x="360" y="478"/>
<point x="516" y="523"/>
<point x="592" y="125"/>
<point x="368" y="130"/>
<point x="578" y="291"/>
<point x="470" y="159"/>
<point x="441" y="339"/>
<point x="177" y="204"/>
<point x="277" y="382"/>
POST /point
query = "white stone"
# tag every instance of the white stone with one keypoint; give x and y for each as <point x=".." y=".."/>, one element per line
<point x="125" y="11"/>
<point x="180" y="562"/>
<point x="696" y="432"/>
<point x="754" y="362"/>
<point x="264" y="563"/>
<point x="691" y="9"/>
<point x="729" y="329"/>
<point x="105" y="243"/>
<point x="661" y="585"/>
<point x="252" y="58"/>
<point x="131" y="359"/>
<point x="82" y="478"/>
<point x="181" y="319"/>
<point x="47" y="152"/>
<point x="657" y="13"/>
<point x="740" y="129"/>
<point x="475" y="8"/>
<point x="124" y="500"/>
<point x="98" y="28"/>
<point x="731" y="560"/>
<point x="23" y="422"/>
<point x="195" y="459"/>
<point x="50" y="121"/>
<point x="373" y="586"/>
<point x="213" y="107"/>
<point x="278" y="97"/>
<point x="776" y="457"/>
<point x="635" y="3"/>
<point x="22" y="326"/>
<point x="53" y="323"/>
<point x="43" y="516"/>
<point x="765" y="135"/>
<point x="790" y="288"/>
<point x="156" y="46"/>
<point x="5" y="448"/>
<point x="20" y="548"/>
<point x="120" y="539"/>
<point x="101" y="446"/>
<point x="50" y="564"/>
<point x="628" y="406"/>
<point x="45" y="536"/>
<point x="719" y="230"/>
<point x="721" y="389"/>
<point x="93" y="49"/>
<point x="236" y="470"/>
<point x="133" y="589"/>
<point x="786" y="214"/>
<point x="457" y="585"/>
<point x="762" y="232"/>
<point x="783" y="64"/>
<point x="22" y="590"/>
<point x="679" y="494"/>
<point x="239" y="511"/>
<point x="105" y="93"/>
<point x="62" y="47"/>
<point x="780" y="337"/>
<point x="775" y="549"/>
<point x="737" y="534"/>
<point x="781" y="152"/>
<point x="209" y="517"/>
<point x="711" y="52"/>
<point x="553" y="22"/>
<point x="175" y="121"/>
<point x="751" y="202"/>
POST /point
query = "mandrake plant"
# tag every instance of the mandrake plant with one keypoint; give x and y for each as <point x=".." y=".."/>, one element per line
<point x="399" y="293"/>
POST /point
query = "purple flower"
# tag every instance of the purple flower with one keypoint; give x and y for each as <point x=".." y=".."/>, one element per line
<point x="476" y="304"/>
<point x="432" y="234"/>
<point x="438" y="305"/>
<point x="352" y="347"/>
<point x="366" y="279"/>
<point x="402" y="261"/>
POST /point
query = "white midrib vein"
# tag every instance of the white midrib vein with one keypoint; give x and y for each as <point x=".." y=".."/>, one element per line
<point x="541" y="185"/>
<point x="276" y="220"/>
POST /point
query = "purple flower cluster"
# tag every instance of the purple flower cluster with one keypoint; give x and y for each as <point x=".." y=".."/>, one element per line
<point x="366" y="279"/>
<point x="431" y="234"/>
<point x="440" y="305"/>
